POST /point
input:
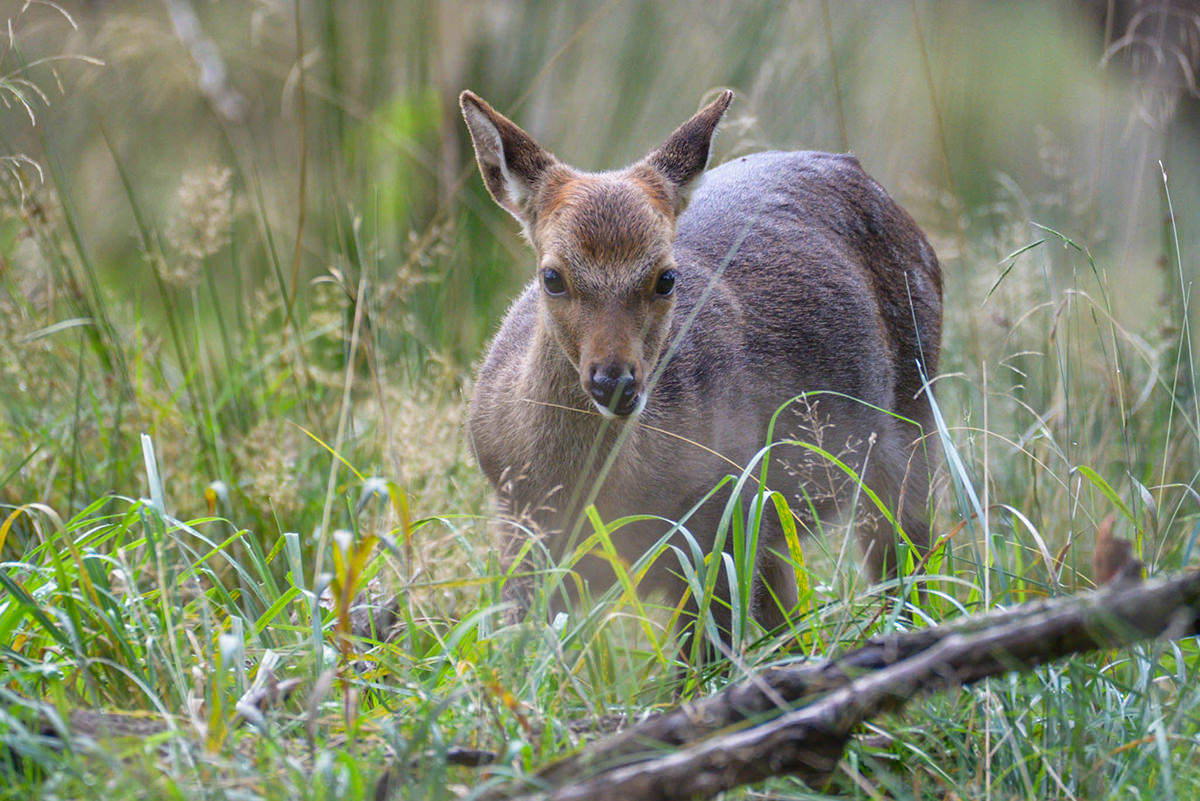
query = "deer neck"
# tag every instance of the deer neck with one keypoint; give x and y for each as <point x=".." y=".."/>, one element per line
<point x="550" y="381"/>
<point x="558" y="407"/>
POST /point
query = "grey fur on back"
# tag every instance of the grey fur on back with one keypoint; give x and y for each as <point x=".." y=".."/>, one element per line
<point x="780" y="220"/>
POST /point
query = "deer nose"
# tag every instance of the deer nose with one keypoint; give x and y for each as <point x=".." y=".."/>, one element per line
<point x="614" y="387"/>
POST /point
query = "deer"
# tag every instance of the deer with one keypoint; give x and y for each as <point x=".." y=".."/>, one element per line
<point x="678" y="317"/>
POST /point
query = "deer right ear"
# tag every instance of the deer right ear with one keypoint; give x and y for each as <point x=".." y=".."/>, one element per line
<point x="511" y="162"/>
<point x="682" y="159"/>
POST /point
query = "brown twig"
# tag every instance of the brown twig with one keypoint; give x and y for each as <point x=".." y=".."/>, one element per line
<point x="741" y="735"/>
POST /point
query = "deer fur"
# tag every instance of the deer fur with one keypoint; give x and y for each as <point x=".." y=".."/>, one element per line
<point x="793" y="273"/>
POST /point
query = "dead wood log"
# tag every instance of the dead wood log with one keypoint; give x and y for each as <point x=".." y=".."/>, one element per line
<point x="758" y="728"/>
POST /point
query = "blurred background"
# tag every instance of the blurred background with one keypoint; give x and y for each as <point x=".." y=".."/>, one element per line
<point x="213" y="212"/>
<point x="1063" y="109"/>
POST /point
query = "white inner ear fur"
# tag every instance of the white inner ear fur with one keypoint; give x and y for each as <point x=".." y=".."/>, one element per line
<point x="491" y="148"/>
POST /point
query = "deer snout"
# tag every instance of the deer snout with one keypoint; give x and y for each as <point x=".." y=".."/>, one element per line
<point x="613" y="387"/>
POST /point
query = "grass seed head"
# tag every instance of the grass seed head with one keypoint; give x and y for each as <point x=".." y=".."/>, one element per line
<point x="202" y="224"/>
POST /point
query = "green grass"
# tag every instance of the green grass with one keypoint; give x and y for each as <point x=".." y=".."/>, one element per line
<point x="231" y="400"/>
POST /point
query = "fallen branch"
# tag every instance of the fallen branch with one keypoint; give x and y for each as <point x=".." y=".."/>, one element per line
<point x="758" y="729"/>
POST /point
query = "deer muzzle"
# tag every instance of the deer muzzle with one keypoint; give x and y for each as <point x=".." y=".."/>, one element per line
<point x="613" y="387"/>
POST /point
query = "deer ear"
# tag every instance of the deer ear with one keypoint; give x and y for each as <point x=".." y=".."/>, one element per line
<point x="681" y="159"/>
<point x="511" y="162"/>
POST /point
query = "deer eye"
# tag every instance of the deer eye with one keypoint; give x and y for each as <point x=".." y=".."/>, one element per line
<point x="553" y="282"/>
<point x="665" y="284"/>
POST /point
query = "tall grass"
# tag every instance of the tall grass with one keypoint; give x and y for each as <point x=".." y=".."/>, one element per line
<point x="232" y="392"/>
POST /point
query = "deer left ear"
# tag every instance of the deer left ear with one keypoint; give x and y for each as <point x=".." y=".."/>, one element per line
<point x="511" y="162"/>
<point x="682" y="159"/>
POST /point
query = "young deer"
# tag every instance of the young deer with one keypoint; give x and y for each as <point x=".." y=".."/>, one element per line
<point x="647" y="358"/>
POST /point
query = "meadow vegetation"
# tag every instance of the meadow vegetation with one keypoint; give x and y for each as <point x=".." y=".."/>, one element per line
<point x="246" y="265"/>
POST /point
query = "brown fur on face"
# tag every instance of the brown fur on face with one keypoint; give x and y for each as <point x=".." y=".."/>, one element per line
<point x="609" y="237"/>
<point x="609" y="220"/>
